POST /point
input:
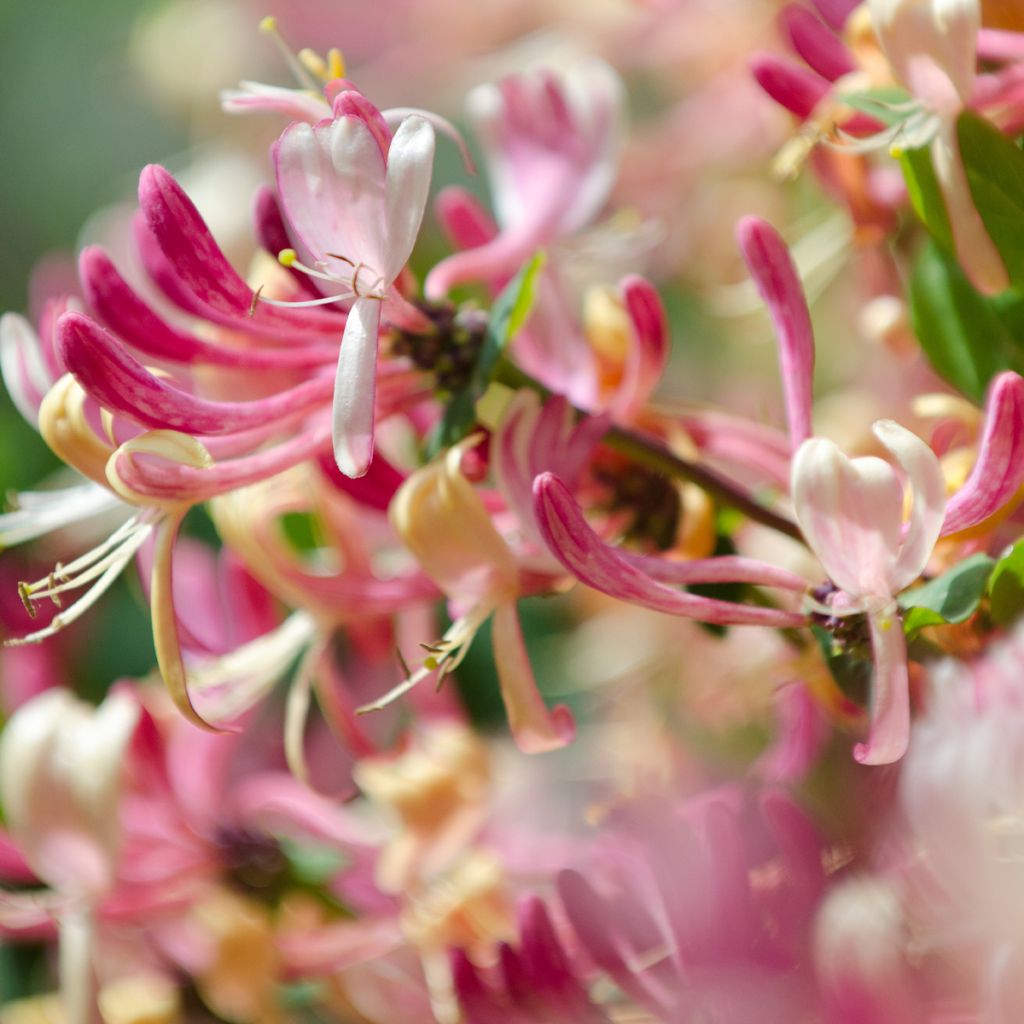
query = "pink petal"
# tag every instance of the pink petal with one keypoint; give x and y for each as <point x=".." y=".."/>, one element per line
<point x="331" y="180"/>
<point x="600" y="566"/>
<point x="776" y="278"/>
<point x="792" y="87"/>
<point x="924" y="474"/>
<point x="648" y="354"/>
<point x="124" y="312"/>
<point x="24" y="370"/>
<point x="202" y="272"/>
<point x="534" y="729"/>
<point x="850" y="512"/>
<point x="355" y="389"/>
<point x="999" y="470"/>
<point x="889" y="732"/>
<point x="823" y="51"/>
<point x="835" y="12"/>
<point x="410" y="163"/>
<point x="121" y="384"/>
<point x="256" y="97"/>
<point x="463" y="217"/>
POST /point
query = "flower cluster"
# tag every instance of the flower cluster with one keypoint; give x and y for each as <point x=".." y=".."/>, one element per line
<point x="714" y="710"/>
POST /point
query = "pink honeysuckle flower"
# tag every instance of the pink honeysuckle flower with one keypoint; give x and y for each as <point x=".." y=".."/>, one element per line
<point x="355" y="197"/>
<point x="551" y="144"/>
<point x="851" y="515"/>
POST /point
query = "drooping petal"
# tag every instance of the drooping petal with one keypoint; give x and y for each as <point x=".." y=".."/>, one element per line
<point x="773" y="271"/>
<point x="924" y="474"/>
<point x="889" y="732"/>
<point x="600" y="566"/>
<point x="256" y="97"/>
<point x="355" y="389"/>
<point x="850" y="512"/>
<point x="534" y="728"/>
<point x="410" y="163"/>
<point x="792" y="87"/>
<point x="999" y="470"/>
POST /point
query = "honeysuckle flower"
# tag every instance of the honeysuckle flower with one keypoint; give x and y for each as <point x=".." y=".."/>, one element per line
<point x="851" y="514"/>
<point x="551" y="142"/>
<point x="355" y="197"/>
<point x="443" y="521"/>
<point x="60" y="785"/>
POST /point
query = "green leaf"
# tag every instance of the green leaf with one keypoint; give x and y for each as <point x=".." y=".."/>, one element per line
<point x="925" y="195"/>
<point x="1006" y="587"/>
<point x="852" y="670"/>
<point x="882" y="104"/>
<point x="995" y="173"/>
<point x="961" y="333"/>
<point x="952" y="597"/>
<point x="312" y="865"/>
<point x="507" y="316"/>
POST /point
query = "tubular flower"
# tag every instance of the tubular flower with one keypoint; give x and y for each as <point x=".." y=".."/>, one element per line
<point x="443" y="521"/>
<point x="551" y="145"/>
<point x="851" y="514"/>
<point x="355" y="197"/>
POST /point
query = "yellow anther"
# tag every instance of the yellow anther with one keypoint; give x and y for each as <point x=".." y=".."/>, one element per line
<point x="313" y="63"/>
<point x="335" y="63"/>
<point x="287" y="257"/>
<point x="430" y="663"/>
<point x="269" y="25"/>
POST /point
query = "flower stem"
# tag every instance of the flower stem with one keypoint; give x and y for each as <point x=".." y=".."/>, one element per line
<point x="651" y="453"/>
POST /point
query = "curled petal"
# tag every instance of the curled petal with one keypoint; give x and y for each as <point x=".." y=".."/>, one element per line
<point x="535" y="729"/>
<point x="999" y="470"/>
<point x="600" y="566"/>
<point x="889" y="732"/>
<point x="255" y="97"/>
<point x="773" y="271"/>
<point x="647" y="355"/>
<point x="924" y="475"/>
<point x="121" y="384"/>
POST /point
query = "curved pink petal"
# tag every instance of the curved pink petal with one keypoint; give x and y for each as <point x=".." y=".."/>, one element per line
<point x="722" y="569"/>
<point x="851" y="513"/>
<point x="211" y="285"/>
<point x="823" y="51"/>
<point x="122" y="384"/>
<point x="534" y="728"/>
<point x="999" y="470"/>
<point x="410" y="164"/>
<point x="600" y="566"/>
<point x="792" y="87"/>
<point x="123" y="311"/>
<point x="355" y="389"/>
<point x="924" y="474"/>
<point x="776" y="278"/>
<point x="256" y="97"/>
<point x="835" y="12"/>
<point x="648" y="354"/>
<point x="889" y="732"/>
<point x="331" y="180"/>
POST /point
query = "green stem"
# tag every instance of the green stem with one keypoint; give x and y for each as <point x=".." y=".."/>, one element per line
<point x="652" y="454"/>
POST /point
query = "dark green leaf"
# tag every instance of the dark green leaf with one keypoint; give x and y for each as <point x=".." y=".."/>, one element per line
<point x="995" y="173"/>
<point x="851" y="669"/>
<point x="959" y="330"/>
<point x="952" y="597"/>
<point x="1006" y="587"/>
